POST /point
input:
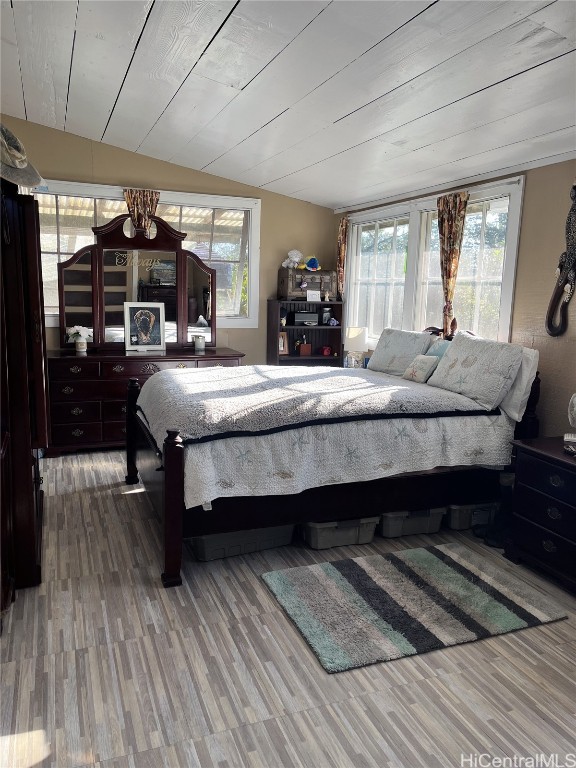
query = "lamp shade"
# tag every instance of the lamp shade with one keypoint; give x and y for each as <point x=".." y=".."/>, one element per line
<point x="356" y="339"/>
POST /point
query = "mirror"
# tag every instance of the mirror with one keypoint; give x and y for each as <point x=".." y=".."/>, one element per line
<point x="75" y="288"/>
<point x="130" y="266"/>
<point x="199" y="298"/>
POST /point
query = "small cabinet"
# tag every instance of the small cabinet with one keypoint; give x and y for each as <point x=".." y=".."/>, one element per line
<point x="543" y="527"/>
<point x="304" y="333"/>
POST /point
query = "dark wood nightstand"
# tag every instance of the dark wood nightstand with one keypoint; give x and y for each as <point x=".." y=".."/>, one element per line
<point x="543" y="526"/>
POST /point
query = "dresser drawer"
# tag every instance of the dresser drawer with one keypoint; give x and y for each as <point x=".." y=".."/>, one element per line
<point x="76" y="434"/>
<point x="549" y="548"/>
<point x="72" y="413"/>
<point x="114" y="410"/>
<point x="71" y="391"/>
<point x="211" y="363"/>
<point x="114" y="431"/>
<point x="160" y="294"/>
<point x="139" y="368"/>
<point x="550" y="513"/>
<point x="74" y="368"/>
<point x="556" y="481"/>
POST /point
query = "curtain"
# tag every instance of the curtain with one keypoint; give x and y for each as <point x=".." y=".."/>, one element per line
<point x="142" y="204"/>
<point x="341" y="261"/>
<point x="451" y="213"/>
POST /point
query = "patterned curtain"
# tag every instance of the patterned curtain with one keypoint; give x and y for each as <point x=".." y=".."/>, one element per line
<point x="451" y="213"/>
<point x="340" y="264"/>
<point x="142" y="204"/>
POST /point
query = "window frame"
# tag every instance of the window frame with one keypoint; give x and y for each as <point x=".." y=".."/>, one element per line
<point x="169" y="197"/>
<point x="415" y="211"/>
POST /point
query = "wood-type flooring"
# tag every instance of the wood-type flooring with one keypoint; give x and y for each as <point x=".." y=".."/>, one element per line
<point x="102" y="667"/>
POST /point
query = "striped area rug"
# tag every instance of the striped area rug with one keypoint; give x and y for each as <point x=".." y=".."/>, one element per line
<point x="364" y="610"/>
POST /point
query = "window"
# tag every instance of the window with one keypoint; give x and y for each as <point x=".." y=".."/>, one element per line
<point x="223" y="231"/>
<point x="393" y="265"/>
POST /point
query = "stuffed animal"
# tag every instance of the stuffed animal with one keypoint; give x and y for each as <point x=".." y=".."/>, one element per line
<point x="312" y="264"/>
<point x="293" y="260"/>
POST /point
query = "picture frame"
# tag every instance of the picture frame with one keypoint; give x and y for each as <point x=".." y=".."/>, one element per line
<point x="144" y="326"/>
<point x="313" y="296"/>
<point x="283" y="343"/>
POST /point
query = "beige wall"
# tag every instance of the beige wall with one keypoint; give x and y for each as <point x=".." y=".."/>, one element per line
<point x="289" y="223"/>
<point x="285" y="223"/>
<point x="542" y="240"/>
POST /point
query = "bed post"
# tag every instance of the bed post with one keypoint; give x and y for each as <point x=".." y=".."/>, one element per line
<point x="131" y="432"/>
<point x="173" y="508"/>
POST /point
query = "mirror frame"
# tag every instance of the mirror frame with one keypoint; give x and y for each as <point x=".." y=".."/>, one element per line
<point x="111" y="236"/>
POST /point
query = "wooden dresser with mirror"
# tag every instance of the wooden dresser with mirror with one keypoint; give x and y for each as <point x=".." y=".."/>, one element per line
<point x="88" y="392"/>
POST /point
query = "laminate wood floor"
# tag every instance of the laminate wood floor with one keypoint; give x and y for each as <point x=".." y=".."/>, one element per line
<point x="102" y="667"/>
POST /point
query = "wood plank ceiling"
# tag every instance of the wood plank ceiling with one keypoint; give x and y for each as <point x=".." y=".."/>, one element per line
<point x="338" y="103"/>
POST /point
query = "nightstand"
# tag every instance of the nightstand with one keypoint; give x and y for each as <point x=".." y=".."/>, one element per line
<point x="543" y="526"/>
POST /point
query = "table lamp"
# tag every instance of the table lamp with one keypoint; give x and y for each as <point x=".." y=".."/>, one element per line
<point x="355" y="344"/>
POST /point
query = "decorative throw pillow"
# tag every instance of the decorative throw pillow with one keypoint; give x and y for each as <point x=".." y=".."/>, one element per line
<point x="514" y="403"/>
<point x="480" y="369"/>
<point x="438" y="348"/>
<point x="420" y="369"/>
<point x="396" y="350"/>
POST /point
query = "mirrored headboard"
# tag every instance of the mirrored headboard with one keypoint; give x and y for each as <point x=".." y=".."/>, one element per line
<point x="128" y="265"/>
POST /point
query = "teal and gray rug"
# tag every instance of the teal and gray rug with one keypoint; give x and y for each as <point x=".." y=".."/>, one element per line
<point x="364" y="610"/>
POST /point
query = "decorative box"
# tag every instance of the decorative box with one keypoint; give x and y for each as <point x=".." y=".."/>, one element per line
<point x="293" y="283"/>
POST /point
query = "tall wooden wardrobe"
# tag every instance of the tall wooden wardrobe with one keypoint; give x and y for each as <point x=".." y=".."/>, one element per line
<point x="23" y="419"/>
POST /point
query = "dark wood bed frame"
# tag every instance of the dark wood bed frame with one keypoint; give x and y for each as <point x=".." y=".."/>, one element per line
<point x="162" y="472"/>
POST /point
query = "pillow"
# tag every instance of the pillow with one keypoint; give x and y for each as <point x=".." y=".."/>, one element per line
<point x="480" y="369"/>
<point x="420" y="369"/>
<point x="396" y="350"/>
<point x="514" y="403"/>
<point x="438" y="347"/>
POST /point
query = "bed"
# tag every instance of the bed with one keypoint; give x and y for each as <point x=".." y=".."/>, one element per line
<point x="226" y="449"/>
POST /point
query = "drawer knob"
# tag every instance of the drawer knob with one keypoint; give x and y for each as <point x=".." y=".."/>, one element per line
<point x="554" y="513"/>
<point x="67" y="390"/>
<point x="149" y="368"/>
<point x="75" y="369"/>
<point x="123" y="430"/>
<point x="76" y="411"/>
<point x="181" y="365"/>
<point x="118" y="368"/>
<point x="548" y="545"/>
<point x="77" y="432"/>
<point x="123" y="409"/>
<point x="556" y="481"/>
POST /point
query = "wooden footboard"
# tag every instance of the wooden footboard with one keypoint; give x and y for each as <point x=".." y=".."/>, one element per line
<point x="163" y="476"/>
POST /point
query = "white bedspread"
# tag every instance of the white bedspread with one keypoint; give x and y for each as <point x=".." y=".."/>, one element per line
<point x="321" y="452"/>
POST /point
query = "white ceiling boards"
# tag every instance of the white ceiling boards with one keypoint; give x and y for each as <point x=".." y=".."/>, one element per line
<point x="338" y="103"/>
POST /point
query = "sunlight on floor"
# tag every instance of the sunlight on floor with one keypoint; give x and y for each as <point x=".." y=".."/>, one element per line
<point x="134" y="490"/>
<point x="24" y="750"/>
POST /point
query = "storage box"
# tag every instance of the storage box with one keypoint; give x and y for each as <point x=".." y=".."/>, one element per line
<point x="305" y="318"/>
<point x="304" y="349"/>
<point x="340" y="533"/>
<point x="403" y="523"/>
<point x="220" y="545"/>
<point x="462" y="516"/>
<point x="290" y="283"/>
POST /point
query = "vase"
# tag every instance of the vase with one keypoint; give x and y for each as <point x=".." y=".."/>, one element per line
<point x="81" y="346"/>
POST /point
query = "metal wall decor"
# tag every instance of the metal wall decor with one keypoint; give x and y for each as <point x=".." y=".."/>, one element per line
<point x="565" y="277"/>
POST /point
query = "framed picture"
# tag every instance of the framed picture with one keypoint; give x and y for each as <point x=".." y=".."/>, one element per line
<point x="283" y="343"/>
<point x="313" y="296"/>
<point x="144" y="326"/>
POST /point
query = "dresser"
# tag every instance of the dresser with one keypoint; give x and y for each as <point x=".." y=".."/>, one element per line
<point x="543" y="525"/>
<point x="88" y="393"/>
<point x="163" y="293"/>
